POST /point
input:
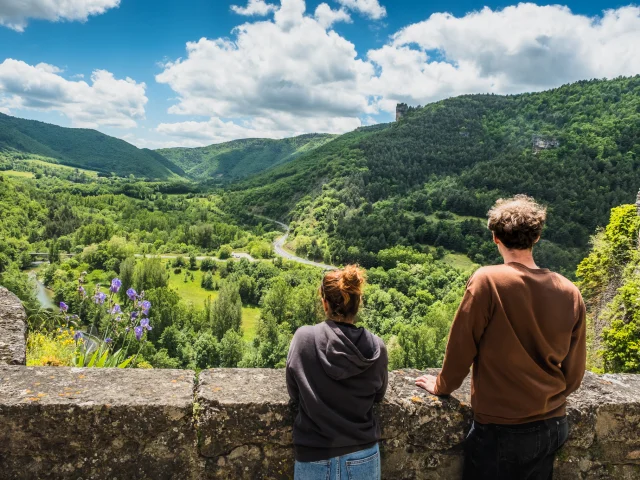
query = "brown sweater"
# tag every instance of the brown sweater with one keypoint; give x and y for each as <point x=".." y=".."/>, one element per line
<point x="524" y="332"/>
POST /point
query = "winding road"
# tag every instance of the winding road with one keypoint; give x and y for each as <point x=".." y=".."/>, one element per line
<point x="278" y="246"/>
<point x="280" y="242"/>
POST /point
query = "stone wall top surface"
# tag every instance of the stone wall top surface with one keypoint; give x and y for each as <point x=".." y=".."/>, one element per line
<point x="243" y="386"/>
<point x="95" y="386"/>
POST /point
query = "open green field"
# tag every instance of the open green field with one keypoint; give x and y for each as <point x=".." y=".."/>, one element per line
<point x="15" y="173"/>
<point x="191" y="291"/>
<point x="44" y="163"/>
<point x="250" y="317"/>
<point x="459" y="260"/>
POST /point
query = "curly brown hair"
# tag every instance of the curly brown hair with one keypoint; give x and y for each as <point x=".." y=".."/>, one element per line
<point x="517" y="222"/>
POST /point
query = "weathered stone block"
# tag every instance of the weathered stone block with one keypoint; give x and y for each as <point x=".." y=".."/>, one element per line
<point x="13" y="328"/>
<point x="604" y="439"/>
<point x="422" y="433"/>
<point x="244" y="422"/>
<point x="61" y="423"/>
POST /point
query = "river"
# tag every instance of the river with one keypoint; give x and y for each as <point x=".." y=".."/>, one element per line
<point x="43" y="294"/>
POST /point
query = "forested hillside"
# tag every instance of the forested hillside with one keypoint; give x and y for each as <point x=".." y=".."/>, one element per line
<point x="610" y="284"/>
<point x="83" y="148"/>
<point x="430" y="178"/>
<point x="241" y="158"/>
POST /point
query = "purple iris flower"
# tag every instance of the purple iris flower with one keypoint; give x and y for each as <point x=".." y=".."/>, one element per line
<point x="144" y="323"/>
<point x="139" y="332"/>
<point x="82" y="291"/>
<point x="134" y="315"/>
<point x="115" y="285"/>
<point x="146" y="305"/>
<point x="131" y="293"/>
<point x="116" y="309"/>
<point x="108" y="341"/>
<point x="99" y="298"/>
<point x="77" y="336"/>
<point x="63" y="307"/>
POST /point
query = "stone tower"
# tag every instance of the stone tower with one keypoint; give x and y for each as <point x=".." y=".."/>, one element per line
<point x="638" y="203"/>
<point x="401" y="110"/>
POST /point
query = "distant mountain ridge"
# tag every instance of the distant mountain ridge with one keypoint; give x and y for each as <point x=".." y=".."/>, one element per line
<point x="242" y="158"/>
<point x="83" y="148"/>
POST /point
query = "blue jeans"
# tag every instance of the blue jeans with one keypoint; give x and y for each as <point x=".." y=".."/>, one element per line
<point x="509" y="452"/>
<point x="362" y="465"/>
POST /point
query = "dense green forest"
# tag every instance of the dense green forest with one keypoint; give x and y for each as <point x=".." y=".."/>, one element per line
<point x="83" y="148"/>
<point x="430" y="178"/>
<point x="241" y="158"/>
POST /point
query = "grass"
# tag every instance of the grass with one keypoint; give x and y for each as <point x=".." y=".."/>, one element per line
<point x="90" y="173"/>
<point x="250" y="317"/>
<point x="459" y="260"/>
<point x="191" y="291"/>
<point x="15" y="173"/>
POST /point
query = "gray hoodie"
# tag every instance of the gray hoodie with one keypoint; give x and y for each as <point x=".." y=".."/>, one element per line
<point x="335" y="372"/>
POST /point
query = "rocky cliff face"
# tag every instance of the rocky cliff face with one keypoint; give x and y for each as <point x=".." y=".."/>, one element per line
<point x="401" y="110"/>
<point x="544" y="143"/>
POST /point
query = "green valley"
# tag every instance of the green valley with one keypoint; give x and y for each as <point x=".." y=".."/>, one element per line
<point x="193" y="231"/>
<point x="241" y="158"/>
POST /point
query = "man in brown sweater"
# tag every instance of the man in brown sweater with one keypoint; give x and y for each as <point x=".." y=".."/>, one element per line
<point x="522" y="328"/>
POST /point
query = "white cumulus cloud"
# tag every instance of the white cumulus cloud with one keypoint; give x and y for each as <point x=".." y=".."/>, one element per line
<point x="521" y="48"/>
<point x="290" y="75"/>
<point x="107" y="101"/>
<point x="15" y="14"/>
<point x="370" y="8"/>
<point x="326" y="16"/>
<point x="254" y="7"/>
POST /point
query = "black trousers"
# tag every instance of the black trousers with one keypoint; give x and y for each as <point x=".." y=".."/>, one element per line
<point x="514" y="452"/>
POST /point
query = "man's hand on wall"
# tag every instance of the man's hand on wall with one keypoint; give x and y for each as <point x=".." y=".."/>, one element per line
<point x="428" y="382"/>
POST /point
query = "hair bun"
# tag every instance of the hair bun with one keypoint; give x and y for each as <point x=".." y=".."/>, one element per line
<point x="351" y="280"/>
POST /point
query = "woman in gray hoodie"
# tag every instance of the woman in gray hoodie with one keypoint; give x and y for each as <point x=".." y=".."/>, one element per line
<point x="336" y="371"/>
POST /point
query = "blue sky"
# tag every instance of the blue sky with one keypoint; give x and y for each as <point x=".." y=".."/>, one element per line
<point x="293" y="67"/>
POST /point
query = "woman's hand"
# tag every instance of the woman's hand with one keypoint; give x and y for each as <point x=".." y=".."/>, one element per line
<point x="428" y="382"/>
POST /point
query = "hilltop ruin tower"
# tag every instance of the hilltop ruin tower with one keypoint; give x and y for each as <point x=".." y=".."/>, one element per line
<point x="401" y="110"/>
<point x="638" y="203"/>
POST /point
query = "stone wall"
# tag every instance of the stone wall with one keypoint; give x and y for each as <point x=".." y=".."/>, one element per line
<point x="13" y="328"/>
<point x="69" y="423"/>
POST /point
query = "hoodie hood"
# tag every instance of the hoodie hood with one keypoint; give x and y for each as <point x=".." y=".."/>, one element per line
<point x="338" y="355"/>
